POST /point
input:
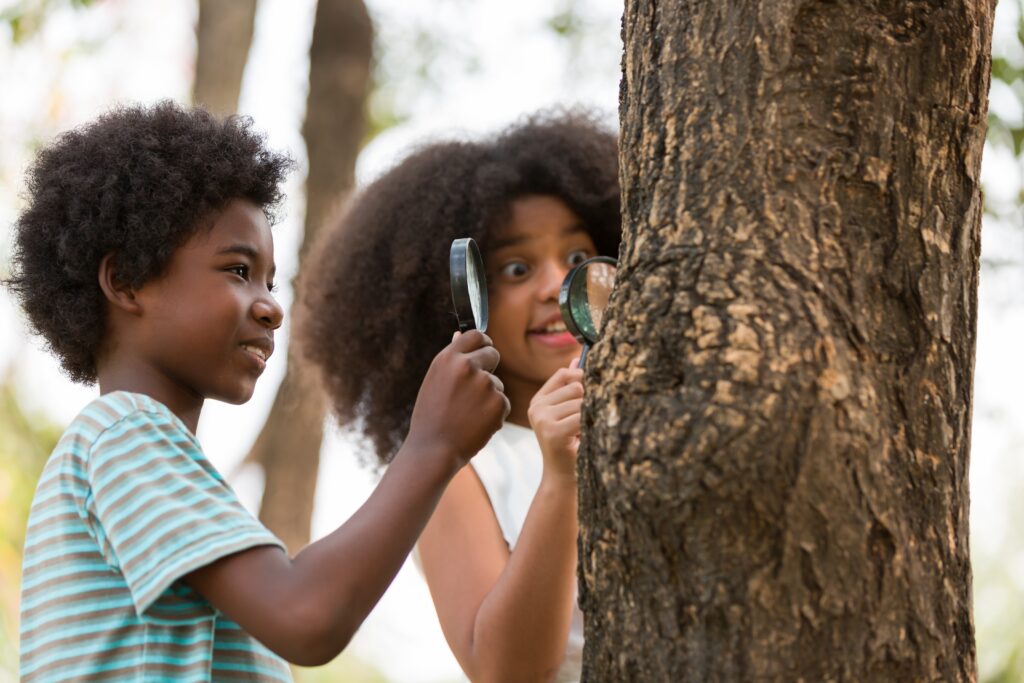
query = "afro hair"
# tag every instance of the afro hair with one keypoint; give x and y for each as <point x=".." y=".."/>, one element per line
<point x="374" y="302"/>
<point x="137" y="182"/>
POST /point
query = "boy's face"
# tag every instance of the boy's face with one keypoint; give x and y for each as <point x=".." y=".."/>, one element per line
<point x="525" y="269"/>
<point x="207" y="324"/>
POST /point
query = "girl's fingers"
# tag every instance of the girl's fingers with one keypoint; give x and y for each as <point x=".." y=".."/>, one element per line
<point x="569" y="426"/>
<point x="562" y="410"/>
<point x="560" y="379"/>
<point x="564" y="393"/>
<point x="566" y="428"/>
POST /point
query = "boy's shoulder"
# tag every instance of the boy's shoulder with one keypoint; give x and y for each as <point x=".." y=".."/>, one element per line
<point x="122" y="424"/>
<point x="109" y="409"/>
<point x="124" y="411"/>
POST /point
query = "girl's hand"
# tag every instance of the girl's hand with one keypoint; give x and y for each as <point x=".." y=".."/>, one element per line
<point x="555" y="417"/>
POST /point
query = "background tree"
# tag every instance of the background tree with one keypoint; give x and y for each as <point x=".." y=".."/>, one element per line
<point x="288" y="447"/>
<point x="223" y="36"/>
<point x="773" y="474"/>
<point x="340" y="55"/>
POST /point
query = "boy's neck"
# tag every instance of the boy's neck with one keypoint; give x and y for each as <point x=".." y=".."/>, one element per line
<point x="133" y="375"/>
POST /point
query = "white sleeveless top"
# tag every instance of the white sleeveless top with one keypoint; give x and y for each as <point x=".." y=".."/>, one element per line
<point x="510" y="467"/>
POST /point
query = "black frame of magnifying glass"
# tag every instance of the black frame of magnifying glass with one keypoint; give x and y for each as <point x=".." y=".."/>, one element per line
<point x="463" y="249"/>
<point x="566" y="308"/>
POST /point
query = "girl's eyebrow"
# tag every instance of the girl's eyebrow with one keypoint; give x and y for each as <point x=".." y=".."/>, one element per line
<point x="512" y="241"/>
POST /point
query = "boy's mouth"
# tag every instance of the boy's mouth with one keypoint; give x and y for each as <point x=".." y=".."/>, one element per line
<point x="259" y="351"/>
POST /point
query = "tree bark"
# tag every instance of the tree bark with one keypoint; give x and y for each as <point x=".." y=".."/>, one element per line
<point x="223" y="37"/>
<point x="773" y="471"/>
<point x="288" y="447"/>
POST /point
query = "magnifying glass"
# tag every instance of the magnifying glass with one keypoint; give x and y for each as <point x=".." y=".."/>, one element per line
<point x="583" y="298"/>
<point x="469" y="285"/>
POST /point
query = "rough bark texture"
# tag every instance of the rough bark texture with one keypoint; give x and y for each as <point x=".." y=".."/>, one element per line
<point x="774" y="466"/>
<point x="288" y="447"/>
<point x="223" y="36"/>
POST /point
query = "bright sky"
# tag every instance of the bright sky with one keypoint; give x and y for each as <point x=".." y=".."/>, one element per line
<point x="143" y="51"/>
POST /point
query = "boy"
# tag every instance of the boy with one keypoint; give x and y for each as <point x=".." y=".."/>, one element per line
<point x="145" y="260"/>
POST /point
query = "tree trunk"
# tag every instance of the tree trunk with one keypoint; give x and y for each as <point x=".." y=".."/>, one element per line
<point x="223" y="37"/>
<point x="773" y="471"/>
<point x="288" y="447"/>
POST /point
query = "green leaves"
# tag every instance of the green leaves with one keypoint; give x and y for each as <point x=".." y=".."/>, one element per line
<point x="26" y="18"/>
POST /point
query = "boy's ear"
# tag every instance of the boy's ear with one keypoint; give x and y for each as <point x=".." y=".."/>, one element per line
<point x="116" y="291"/>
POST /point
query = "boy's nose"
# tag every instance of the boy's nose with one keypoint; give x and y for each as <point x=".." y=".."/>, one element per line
<point x="268" y="312"/>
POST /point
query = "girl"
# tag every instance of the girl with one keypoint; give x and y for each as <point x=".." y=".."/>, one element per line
<point x="499" y="554"/>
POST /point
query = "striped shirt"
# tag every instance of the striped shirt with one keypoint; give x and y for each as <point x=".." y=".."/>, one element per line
<point x="126" y="506"/>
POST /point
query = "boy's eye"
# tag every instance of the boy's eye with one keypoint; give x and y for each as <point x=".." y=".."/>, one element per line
<point x="271" y="287"/>
<point x="241" y="271"/>
<point x="514" y="270"/>
<point x="577" y="257"/>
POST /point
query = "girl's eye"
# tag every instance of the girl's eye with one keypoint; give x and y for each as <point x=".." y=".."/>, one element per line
<point x="577" y="257"/>
<point x="514" y="270"/>
<point x="271" y="287"/>
<point x="240" y="270"/>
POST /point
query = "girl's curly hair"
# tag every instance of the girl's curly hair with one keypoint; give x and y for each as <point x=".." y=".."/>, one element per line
<point x="137" y="182"/>
<point x="375" y="305"/>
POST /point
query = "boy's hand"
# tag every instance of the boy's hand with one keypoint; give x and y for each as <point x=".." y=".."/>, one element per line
<point x="461" y="403"/>
<point x="555" y="417"/>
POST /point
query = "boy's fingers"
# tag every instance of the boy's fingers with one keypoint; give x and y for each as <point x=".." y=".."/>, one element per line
<point x="484" y="358"/>
<point x="470" y="341"/>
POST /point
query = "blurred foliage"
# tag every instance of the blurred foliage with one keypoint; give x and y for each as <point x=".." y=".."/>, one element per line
<point x="1006" y="120"/>
<point x="25" y="443"/>
<point x="412" y="58"/>
<point x="25" y="18"/>
<point x="1008" y="68"/>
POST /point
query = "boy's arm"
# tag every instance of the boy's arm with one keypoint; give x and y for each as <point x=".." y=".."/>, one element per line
<point x="307" y="609"/>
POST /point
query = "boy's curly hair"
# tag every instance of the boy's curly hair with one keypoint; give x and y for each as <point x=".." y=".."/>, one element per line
<point x="375" y="305"/>
<point x="137" y="182"/>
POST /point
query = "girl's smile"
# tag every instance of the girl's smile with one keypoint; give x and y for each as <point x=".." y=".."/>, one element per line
<point x="552" y="333"/>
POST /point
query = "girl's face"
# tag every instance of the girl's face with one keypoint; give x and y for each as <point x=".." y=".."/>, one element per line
<point x="526" y="264"/>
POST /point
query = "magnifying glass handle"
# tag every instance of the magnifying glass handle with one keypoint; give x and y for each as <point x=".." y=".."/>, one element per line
<point x="583" y="356"/>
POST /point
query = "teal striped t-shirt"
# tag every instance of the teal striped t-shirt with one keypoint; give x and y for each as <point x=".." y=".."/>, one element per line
<point x="126" y="506"/>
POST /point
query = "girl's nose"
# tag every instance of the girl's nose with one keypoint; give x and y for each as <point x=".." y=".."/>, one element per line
<point x="268" y="311"/>
<point x="551" y="281"/>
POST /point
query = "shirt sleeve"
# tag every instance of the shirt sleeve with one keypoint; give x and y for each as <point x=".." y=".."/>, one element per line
<point x="159" y="508"/>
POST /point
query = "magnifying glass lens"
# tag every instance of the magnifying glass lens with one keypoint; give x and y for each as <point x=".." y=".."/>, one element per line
<point x="583" y="299"/>
<point x="468" y="284"/>
<point x="588" y="297"/>
<point x="476" y="292"/>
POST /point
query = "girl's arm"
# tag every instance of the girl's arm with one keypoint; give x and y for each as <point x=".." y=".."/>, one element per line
<point x="506" y="615"/>
<point x="306" y="609"/>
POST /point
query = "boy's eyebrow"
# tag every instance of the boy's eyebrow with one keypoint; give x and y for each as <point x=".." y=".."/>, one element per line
<point x="245" y="250"/>
<point x="512" y="241"/>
